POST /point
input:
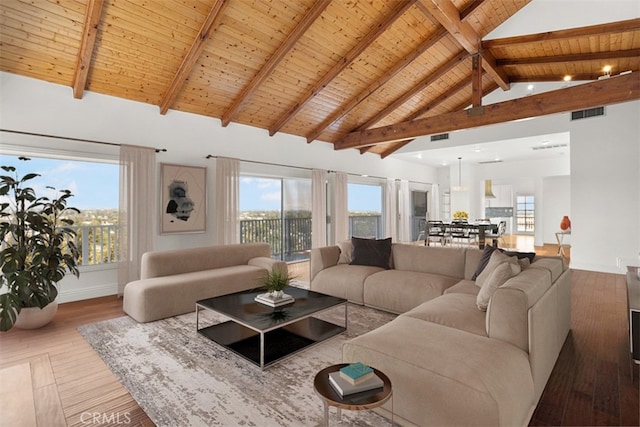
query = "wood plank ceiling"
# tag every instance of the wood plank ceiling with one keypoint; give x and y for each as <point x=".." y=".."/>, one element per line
<point x="347" y="72"/>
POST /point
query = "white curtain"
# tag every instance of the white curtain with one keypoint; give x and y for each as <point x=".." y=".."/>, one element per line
<point x="340" y="215"/>
<point x="404" y="212"/>
<point x="391" y="210"/>
<point x="227" y="201"/>
<point x="318" y="208"/>
<point x="137" y="209"/>
<point x="433" y="213"/>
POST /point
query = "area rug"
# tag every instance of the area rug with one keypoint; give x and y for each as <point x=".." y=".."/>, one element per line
<point x="180" y="378"/>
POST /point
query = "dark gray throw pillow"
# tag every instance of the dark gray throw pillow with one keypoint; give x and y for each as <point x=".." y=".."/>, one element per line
<point x="372" y="252"/>
<point x="486" y="255"/>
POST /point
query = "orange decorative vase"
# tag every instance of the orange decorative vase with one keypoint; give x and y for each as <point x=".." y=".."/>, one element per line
<point x="565" y="224"/>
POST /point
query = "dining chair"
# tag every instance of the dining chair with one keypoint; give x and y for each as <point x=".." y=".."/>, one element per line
<point x="497" y="236"/>
<point x="436" y="232"/>
<point x="461" y="232"/>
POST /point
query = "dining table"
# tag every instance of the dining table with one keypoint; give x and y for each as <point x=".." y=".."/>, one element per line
<point x="477" y="227"/>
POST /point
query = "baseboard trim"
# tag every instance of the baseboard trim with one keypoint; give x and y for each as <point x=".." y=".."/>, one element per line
<point x="87" y="293"/>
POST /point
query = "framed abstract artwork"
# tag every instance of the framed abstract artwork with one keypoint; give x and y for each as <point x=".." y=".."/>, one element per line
<point x="183" y="198"/>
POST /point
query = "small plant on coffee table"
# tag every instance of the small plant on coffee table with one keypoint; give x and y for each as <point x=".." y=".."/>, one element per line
<point x="275" y="281"/>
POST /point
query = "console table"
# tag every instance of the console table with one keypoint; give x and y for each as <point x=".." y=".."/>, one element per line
<point x="633" y="306"/>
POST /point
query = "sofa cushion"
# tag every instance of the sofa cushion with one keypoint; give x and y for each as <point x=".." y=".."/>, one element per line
<point x="555" y="266"/>
<point x="398" y="291"/>
<point x="177" y="261"/>
<point x="444" y="376"/>
<point x="428" y="259"/>
<point x="343" y="281"/>
<point x="371" y="252"/>
<point x="497" y="278"/>
<point x="464" y="287"/>
<point x="454" y="310"/>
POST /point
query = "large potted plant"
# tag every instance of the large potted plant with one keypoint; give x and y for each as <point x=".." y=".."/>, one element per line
<point x="38" y="250"/>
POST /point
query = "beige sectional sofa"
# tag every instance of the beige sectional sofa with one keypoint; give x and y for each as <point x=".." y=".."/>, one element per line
<point x="172" y="281"/>
<point x="451" y="363"/>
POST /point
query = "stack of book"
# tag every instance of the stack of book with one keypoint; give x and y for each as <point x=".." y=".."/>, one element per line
<point x="269" y="300"/>
<point x="354" y="378"/>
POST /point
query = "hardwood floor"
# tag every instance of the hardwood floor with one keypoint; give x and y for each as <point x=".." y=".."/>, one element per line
<point x="60" y="379"/>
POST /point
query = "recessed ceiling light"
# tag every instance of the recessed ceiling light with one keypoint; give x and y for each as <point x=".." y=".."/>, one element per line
<point x="530" y="87"/>
<point x="606" y="68"/>
<point x="545" y="141"/>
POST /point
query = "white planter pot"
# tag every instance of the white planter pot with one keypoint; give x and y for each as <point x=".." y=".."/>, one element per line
<point x="35" y="317"/>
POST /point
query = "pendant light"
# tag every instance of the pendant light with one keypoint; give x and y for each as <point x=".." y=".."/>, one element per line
<point x="459" y="187"/>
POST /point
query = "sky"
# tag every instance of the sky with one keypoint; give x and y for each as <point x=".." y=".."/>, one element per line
<point x="95" y="186"/>
<point x="263" y="194"/>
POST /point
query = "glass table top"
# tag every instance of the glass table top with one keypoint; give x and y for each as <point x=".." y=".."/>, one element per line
<point x="242" y="307"/>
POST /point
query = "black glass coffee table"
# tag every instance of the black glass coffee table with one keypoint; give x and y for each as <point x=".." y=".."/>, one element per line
<point x="264" y="334"/>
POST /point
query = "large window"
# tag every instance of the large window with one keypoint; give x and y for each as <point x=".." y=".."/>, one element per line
<point x="95" y="193"/>
<point x="277" y="211"/>
<point x="525" y="213"/>
<point x="365" y="210"/>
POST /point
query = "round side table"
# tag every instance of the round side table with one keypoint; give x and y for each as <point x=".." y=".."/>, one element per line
<point x="354" y="402"/>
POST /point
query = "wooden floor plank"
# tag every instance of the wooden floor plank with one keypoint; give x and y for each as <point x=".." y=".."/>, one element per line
<point x="17" y="402"/>
<point x="48" y="406"/>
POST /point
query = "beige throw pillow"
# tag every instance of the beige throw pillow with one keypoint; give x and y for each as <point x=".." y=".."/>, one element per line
<point x="346" y="248"/>
<point x="497" y="278"/>
<point x="496" y="259"/>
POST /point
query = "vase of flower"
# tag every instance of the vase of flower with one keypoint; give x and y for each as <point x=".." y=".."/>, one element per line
<point x="565" y="224"/>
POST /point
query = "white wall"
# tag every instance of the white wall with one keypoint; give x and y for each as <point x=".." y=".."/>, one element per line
<point x="605" y="180"/>
<point x="556" y="203"/>
<point x="35" y="106"/>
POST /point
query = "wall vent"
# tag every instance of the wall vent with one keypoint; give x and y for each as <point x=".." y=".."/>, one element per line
<point x="589" y="112"/>
<point x="547" y="147"/>
<point x="440" y="137"/>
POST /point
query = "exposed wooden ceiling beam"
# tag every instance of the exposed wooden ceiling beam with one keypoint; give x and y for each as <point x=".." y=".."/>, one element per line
<point x="399" y="10"/>
<point x="445" y="12"/>
<point x="437" y="36"/>
<point x="476" y="81"/>
<point x="210" y="23"/>
<point x="458" y="107"/>
<point x="434" y="38"/>
<point x="434" y="103"/>
<point x="573" y="33"/>
<point x="619" y="54"/>
<point x="89" y="33"/>
<point x="414" y="90"/>
<point x="302" y="26"/>
<point x="399" y="66"/>
<point x="602" y="92"/>
<point x="451" y="91"/>
<point x="395" y="147"/>
<point x="574" y="77"/>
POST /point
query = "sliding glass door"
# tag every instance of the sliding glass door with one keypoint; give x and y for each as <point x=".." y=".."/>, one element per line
<point x="277" y="211"/>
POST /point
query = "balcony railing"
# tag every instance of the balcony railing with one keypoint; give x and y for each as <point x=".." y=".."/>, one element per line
<point x="290" y="241"/>
<point x="98" y="244"/>
<point x="365" y="226"/>
<point x="296" y="244"/>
